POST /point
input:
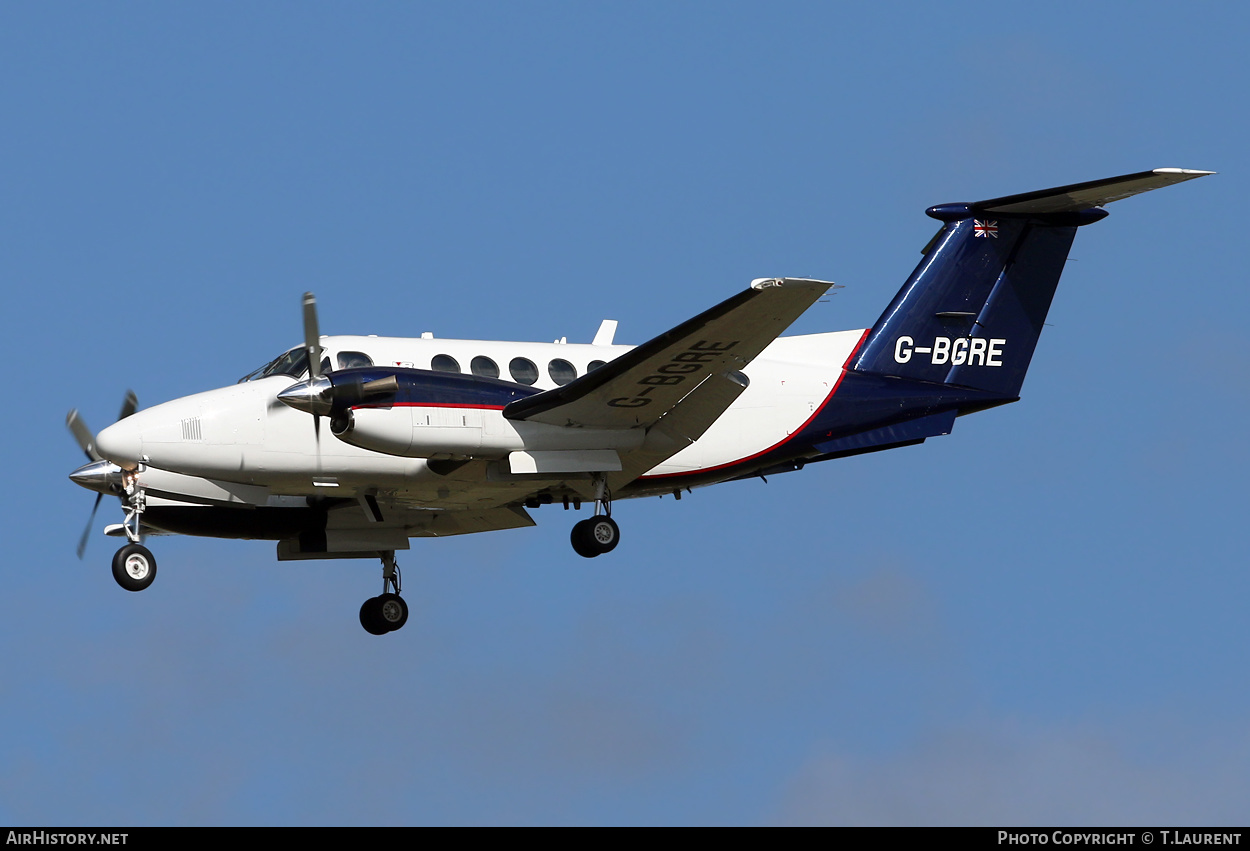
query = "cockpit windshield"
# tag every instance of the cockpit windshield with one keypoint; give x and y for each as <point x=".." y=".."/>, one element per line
<point x="293" y="362"/>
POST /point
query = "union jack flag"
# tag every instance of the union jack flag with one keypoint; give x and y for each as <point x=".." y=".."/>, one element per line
<point x="985" y="229"/>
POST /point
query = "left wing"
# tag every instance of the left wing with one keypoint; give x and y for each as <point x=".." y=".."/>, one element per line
<point x="642" y="385"/>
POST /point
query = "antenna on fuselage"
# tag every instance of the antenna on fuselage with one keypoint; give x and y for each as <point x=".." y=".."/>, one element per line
<point x="605" y="334"/>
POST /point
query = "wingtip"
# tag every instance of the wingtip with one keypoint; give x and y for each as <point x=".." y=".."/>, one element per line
<point x="1191" y="172"/>
<point x="765" y="283"/>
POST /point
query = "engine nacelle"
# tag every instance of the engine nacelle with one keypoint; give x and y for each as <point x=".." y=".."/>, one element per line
<point x="419" y="413"/>
<point x="414" y="431"/>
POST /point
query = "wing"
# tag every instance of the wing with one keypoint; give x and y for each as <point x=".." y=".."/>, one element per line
<point x="641" y="386"/>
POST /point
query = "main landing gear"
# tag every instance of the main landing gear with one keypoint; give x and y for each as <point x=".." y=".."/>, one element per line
<point x="599" y="534"/>
<point x="134" y="566"/>
<point x="387" y="612"/>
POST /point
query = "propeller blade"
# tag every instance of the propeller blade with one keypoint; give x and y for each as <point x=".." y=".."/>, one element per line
<point x="83" y="435"/>
<point x="86" y="533"/>
<point x="95" y="478"/>
<point x="130" y="404"/>
<point x="312" y="335"/>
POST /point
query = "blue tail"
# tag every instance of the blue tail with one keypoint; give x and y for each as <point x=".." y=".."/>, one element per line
<point x="971" y="313"/>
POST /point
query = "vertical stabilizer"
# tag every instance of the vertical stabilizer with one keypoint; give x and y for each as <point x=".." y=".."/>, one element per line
<point x="971" y="313"/>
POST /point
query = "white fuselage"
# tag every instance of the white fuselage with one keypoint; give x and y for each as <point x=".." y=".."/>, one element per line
<point x="241" y="434"/>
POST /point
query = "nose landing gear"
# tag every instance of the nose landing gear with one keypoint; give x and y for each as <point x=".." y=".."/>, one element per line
<point x="134" y="566"/>
<point x="387" y="612"/>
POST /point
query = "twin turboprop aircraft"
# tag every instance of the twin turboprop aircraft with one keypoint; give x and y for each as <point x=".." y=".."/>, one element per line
<point x="347" y="447"/>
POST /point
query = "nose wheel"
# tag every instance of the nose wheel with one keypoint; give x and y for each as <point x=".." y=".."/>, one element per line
<point x="134" y="567"/>
<point x="386" y="612"/>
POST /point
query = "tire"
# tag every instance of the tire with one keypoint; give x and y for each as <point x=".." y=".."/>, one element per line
<point x="392" y="611"/>
<point x="134" y="567"/>
<point x="371" y="617"/>
<point x="604" y="533"/>
<point x="580" y="537"/>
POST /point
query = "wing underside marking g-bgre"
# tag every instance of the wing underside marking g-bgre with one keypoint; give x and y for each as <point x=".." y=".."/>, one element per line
<point x="639" y="387"/>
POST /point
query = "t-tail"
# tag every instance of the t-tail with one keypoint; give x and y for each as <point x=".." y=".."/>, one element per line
<point x="971" y="314"/>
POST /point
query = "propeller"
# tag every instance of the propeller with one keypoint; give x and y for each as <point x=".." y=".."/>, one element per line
<point x="327" y="397"/>
<point x="312" y="345"/>
<point x="98" y="472"/>
<point x="324" y="396"/>
<point x="82" y="434"/>
<point x="86" y="532"/>
<point x="312" y="336"/>
<point x="130" y="404"/>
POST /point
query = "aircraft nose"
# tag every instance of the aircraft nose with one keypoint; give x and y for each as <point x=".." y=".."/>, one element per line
<point x="121" y="443"/>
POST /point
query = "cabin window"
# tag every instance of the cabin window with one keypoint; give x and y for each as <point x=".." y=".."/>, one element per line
<point x="484" y="367"/>
<point x="444" y="363"/>
<point x="351" y="360"/>
<point x="523" y="370"/>
<point x="595" y="364"/>
<point x="561" y="371"/>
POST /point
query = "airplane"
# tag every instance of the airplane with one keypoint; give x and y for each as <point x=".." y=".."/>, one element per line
<point x="349" y="446"/>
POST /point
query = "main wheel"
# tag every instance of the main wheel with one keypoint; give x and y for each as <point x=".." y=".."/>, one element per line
<point x="393" y="611"/>
<point x="595" y="536"/>
<point x="605" y="533"/>
<point x="134" y="567"/>
<point x="583" y="542"/>
<point x="371" y="617"/>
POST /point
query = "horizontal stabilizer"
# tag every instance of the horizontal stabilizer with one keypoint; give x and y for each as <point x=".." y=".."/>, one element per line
<point x="1082" y="196"/>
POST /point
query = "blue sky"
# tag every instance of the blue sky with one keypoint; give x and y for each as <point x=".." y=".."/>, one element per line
<point x="1037" y="619"/>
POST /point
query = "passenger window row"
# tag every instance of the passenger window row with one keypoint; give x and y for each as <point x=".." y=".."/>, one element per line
<point x="522" y="370"/>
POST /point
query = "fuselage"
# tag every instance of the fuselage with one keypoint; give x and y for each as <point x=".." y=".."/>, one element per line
<point x="242" y="434"/>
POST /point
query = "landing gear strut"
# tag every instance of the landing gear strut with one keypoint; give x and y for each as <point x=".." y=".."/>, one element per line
<point x="599" y="534"/>
<point x="387" y="612"/>
<point x="134" y="566"/>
